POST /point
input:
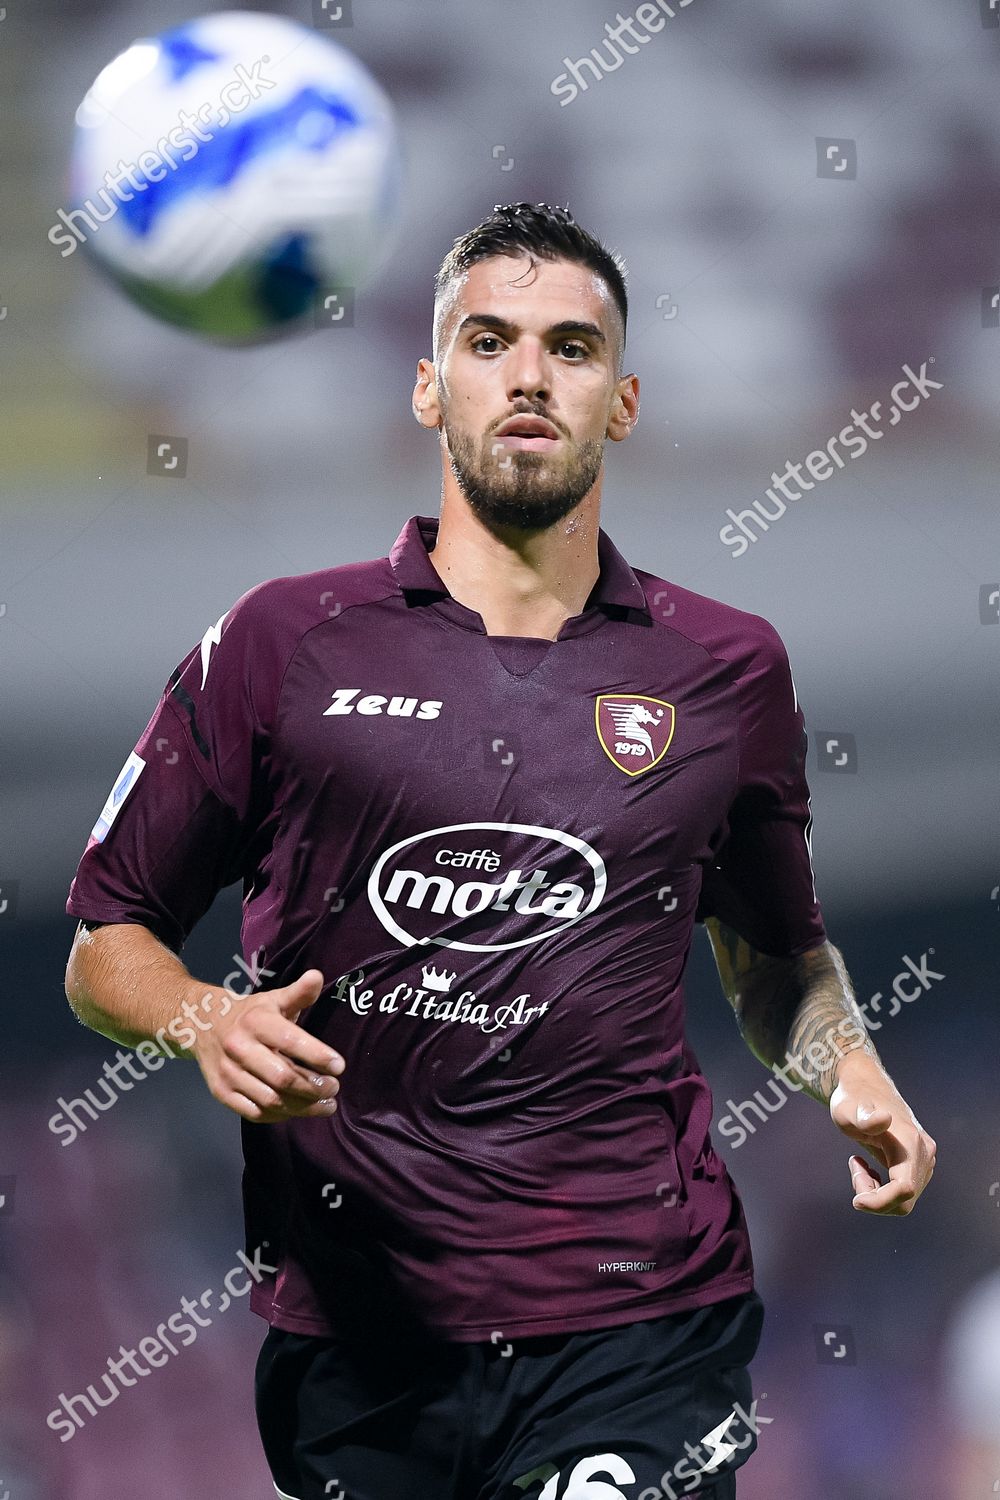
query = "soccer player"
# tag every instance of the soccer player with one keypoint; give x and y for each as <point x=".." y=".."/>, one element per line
<point x="478" y="793"/>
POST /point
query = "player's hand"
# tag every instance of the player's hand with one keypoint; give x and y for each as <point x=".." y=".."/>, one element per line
<point x="867" y="1107"/>
<point x="258" y="1062"/>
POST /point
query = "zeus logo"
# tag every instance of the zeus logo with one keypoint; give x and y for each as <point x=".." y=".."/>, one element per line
<point x="375" y="703"/>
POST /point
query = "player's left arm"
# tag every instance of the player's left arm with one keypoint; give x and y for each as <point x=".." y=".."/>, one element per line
<point x="799" y="1016"/>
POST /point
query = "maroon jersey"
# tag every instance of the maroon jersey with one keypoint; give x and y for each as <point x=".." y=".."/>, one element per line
<point x="495" y="849"/>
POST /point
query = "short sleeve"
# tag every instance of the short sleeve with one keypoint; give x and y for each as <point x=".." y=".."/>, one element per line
<point x="761" y="881"/>
<point x="180" y="821"/>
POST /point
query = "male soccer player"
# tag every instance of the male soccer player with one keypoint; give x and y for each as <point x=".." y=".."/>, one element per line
<point x="478" y="793"/>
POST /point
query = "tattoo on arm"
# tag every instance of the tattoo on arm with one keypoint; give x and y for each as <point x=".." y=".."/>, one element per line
<point x="797" y="1015"/>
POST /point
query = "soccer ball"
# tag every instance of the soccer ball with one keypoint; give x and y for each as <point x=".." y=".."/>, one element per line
<point x="236" y="175"/>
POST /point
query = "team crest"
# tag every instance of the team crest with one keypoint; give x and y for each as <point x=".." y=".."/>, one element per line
<point x="634" y="730"/>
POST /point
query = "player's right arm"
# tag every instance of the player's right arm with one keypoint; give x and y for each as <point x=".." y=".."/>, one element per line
<point x="123" y="982"/>
<point x="182" y="822"/>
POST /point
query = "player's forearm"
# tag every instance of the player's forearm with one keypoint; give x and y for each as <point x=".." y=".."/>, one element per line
<point x="122" y="982"/>
<point x="802" y="1018"/>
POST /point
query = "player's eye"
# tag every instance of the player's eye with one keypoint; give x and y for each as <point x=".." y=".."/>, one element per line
<point x="579" y="350"/>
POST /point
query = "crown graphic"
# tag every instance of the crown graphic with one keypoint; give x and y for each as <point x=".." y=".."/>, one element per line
<point x="435" y="981"/>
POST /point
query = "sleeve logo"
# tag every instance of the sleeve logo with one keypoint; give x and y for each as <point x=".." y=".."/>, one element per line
<point x="127" y="778"/>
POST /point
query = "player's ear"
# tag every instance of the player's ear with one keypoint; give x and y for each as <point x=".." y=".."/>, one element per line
<point x="425" y="397"/>
<point x="624" y="408"/>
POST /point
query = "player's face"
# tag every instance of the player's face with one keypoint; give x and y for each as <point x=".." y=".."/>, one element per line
<point x="523" y="341"/>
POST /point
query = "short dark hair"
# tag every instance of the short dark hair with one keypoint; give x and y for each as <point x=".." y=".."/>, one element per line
<point x="538" y="229"/>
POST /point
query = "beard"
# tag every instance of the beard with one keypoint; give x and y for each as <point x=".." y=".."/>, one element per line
<point x="520" y="489"/>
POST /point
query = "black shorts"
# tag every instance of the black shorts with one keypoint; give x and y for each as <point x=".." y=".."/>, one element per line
<point x="402" y="1417"/>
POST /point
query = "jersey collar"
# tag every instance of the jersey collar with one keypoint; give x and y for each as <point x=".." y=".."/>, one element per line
<point x="416" y="574"/>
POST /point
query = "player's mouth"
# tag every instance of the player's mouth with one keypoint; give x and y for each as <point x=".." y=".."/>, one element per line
<point x="532" y="434"/>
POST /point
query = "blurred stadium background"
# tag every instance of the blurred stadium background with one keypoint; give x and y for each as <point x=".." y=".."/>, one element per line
<point x="766" y="303"/>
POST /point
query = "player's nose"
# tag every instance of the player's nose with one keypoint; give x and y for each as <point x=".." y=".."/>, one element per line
<point x="528" y="372"/>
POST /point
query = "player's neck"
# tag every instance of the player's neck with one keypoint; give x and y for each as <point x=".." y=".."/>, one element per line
<point x="527" y="588"/>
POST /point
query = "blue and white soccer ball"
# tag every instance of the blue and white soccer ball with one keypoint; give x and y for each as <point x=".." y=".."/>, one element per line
<point x="234" y="174"/>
